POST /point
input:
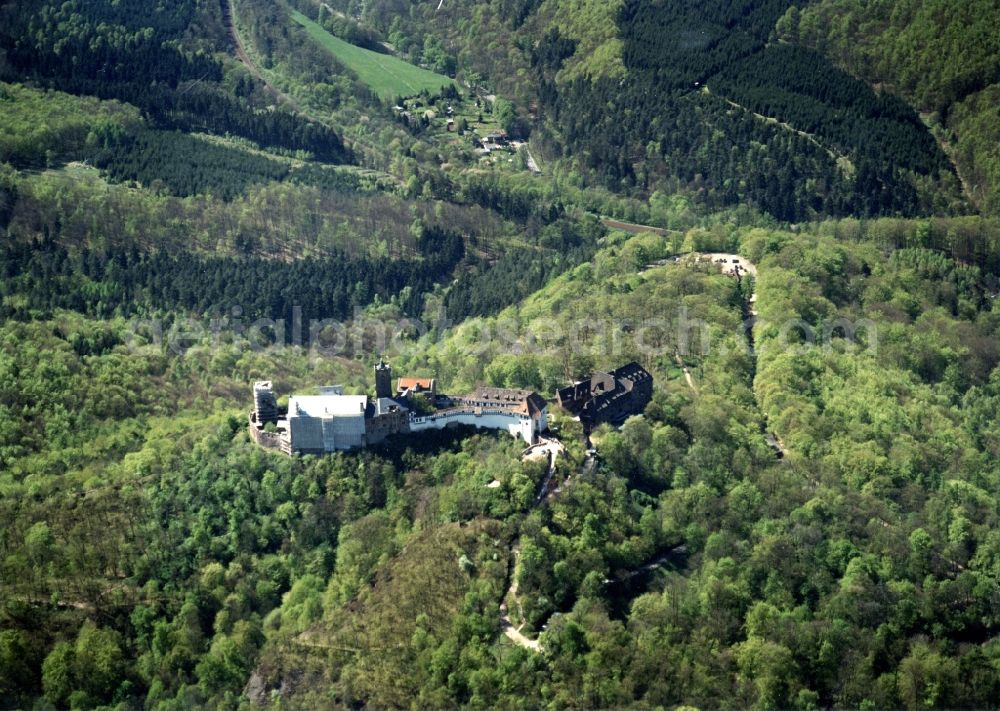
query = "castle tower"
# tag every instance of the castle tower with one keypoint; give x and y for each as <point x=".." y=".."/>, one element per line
<point x="264" y="402"/>
<point x="383" y="379"/>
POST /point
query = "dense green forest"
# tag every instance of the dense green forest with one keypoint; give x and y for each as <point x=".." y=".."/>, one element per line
<point x="804" y="516"/>
<point x="798" y="86"/>
<point x="144" y="56"/>
<point x="46" y="129"/>
<point x="43" y="276"/>
<point x="638" y="114"/>
<point x="194" y="165"/>
<point x="856" y="570"/>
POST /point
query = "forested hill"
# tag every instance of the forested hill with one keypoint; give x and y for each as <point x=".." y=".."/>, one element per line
<point x="161" y="58"/>
<point x="943" y="57"/>
<point x="687" y="95"/>
<point x="153" y="555"/>
<point x="806" y="514"/>
<point x="729" y="104"/>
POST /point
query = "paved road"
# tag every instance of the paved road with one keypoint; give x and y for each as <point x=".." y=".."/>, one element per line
<point x="636" y="228"/>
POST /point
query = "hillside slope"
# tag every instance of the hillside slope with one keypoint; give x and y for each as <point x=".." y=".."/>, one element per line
<point x="858" y="569"/>
<point x="618" y="88"/>
<point x="881" y="503"/>
<point x="804" y="516"/>
<point x="943" y="57"/>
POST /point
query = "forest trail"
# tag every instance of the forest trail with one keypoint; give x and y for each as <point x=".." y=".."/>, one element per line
<point x="654" y="564"/>
<point x="732" y="265"/>
<point x="687" y="373"/>
<point x="738" y="266"/>
<point x="43" y="601"/>
<point x="530" y="161"/>
<point x="949" y="151"/>
<point x="103" y="595"/>
<point x="514" y="633"/>
<point x="335" y="13"/>
<point x="552" y="448"/>
<point x="228" y="17"/>
<point x="786" y="126"/>
<point x="635" y="228"/>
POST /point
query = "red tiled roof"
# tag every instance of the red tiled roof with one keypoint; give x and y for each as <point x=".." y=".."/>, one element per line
<point x="415" y="384"/>
<point x="525" y="402"/>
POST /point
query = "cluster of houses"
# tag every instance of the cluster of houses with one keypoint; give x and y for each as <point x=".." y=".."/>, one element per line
<point x="330" y="421"/>
<point x="484" y="145"/>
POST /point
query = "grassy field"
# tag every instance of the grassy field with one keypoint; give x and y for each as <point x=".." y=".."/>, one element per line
<point x="388" y="76"/>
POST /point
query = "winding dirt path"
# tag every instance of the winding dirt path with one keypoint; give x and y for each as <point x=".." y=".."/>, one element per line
<point x="732" y="265"/>
<point x="356" y="144"/>
<point x="786" y="126"/>
<point x="736" y="266"/>
<point x="228" y="17"/>
<point x="653" y="564"/>
<point x="687" y="373"/>
<point x="552" y="448"/>
<point x="530" y="161"/>
<point x="968" y="190"/>
<point x="514" y="633"/>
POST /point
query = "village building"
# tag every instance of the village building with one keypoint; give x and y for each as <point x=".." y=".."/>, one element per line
<point x="495" y="141"/>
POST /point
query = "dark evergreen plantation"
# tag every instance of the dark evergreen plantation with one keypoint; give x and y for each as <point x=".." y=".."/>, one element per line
<point x="187" y="165"/>
<point x="120" y="283"/>
<point x="800" y="87"/>
<point x="687" y="62"/>
<point x="487" y="288"/>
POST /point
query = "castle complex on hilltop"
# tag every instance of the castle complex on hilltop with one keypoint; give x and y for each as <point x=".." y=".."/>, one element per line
<point x="331" y="421"/>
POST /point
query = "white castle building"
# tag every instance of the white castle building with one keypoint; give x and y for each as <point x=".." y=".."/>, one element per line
<point x="331" y="421"/>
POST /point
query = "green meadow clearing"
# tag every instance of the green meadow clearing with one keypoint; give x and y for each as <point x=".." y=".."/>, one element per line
<point x="388" y="76"/>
